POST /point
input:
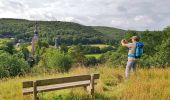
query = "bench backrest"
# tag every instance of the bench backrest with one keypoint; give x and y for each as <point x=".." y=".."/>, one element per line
<point x="52" y="81"/>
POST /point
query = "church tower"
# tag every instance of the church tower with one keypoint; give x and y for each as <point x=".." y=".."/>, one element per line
<point x="35" y="38"/>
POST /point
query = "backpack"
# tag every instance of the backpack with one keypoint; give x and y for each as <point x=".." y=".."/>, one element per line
<point x="139" y="49"/>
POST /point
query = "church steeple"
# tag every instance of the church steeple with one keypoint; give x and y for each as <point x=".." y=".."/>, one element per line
<point x="36" y="30"/>
<point x="35" y="38"/>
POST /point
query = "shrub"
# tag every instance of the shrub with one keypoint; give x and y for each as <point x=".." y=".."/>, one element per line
<point x="53" y="58"/>
<point x="90" y="61"/>
<point x="76" y="54"/>
<point x="12" y="65"/>
<point x="105" y="49"/>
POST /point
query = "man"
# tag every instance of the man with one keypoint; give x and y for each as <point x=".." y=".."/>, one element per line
<point x="131" y="63"/>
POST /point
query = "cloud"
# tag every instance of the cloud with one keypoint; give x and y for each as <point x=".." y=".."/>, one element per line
<point x="67" y="19"/>
<point x="143" y="19"/>
<point x="121" y="9"/>
<point x="125" y="14"/>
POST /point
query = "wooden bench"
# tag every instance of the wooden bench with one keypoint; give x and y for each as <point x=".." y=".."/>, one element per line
<point x="37" y="86"/>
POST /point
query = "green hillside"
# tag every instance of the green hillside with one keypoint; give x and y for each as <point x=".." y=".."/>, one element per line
<point x="68" y="32"/>
<point x="108" y="30"/>
<point x="111" y="32"/>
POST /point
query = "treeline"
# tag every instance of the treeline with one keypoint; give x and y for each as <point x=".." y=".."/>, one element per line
<point x="88" y="49"/>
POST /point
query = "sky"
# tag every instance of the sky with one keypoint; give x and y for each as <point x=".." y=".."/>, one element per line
<point x="124" y="14"/>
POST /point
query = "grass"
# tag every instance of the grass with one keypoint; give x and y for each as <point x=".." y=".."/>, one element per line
<point x="4" y="41"/>
<point x="100" y="45"/>
<point x="29" y="48"/>
<point x="97" y="56"/>
<point x="149" y="84"/>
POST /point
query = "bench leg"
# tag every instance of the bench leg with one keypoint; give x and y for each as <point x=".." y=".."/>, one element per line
<point x="91" y="87"/>
<point x="35" y="90"/>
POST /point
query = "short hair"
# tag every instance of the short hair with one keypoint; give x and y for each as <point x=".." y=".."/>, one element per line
<point x="136" y="38"/>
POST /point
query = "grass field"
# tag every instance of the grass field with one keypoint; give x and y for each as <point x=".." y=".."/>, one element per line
<point x="100" y="45"/>
<point x="97" y="56"/>
<point x="3" y="41"/>
<point x="149" y="84"/>
<point x="97" y="45"/>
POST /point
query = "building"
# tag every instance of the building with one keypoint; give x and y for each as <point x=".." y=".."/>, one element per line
<point x="34" y="39"/>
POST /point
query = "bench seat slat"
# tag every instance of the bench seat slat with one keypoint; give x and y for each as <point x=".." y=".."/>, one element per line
<point x="44" y="82"/>
<point x="65" y="80"/>
<point x="56" y="87"/>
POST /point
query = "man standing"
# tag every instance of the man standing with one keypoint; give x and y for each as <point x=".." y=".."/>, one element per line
<point x="131" y="63"/>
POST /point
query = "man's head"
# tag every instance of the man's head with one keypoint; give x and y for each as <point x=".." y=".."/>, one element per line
<point x="135" y="38"/>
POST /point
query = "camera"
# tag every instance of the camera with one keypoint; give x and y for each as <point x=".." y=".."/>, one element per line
<point x="124" y="41"/>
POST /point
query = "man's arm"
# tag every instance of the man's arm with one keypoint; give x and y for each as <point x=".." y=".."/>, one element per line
<point x="124" y="43"/>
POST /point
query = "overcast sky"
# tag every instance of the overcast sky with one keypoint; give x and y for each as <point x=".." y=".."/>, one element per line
<point x="125" y="14"/>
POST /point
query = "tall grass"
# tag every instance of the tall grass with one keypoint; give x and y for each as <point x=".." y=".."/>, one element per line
<point x="148" y="84"/>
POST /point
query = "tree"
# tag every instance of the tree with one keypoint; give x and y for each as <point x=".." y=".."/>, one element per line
<point x="162" y="57"/>
<point x="55" y="59"/>
<point x="90" y="61"/>
<point x="12" y="65"/>
<point x="76" y="54"/>
<point x="105" y="49"/>
<point x="25" y="52"/>
<point x="130" y="33"/>
<point x="9" y="47"/>
<point x="64" y="48"/>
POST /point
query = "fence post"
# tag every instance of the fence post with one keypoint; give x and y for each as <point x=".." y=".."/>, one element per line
<point x="35" y="90"/>
<point x="92" y="85"/>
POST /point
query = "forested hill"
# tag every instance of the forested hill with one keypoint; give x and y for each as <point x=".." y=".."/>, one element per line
<point x="69" y="32"/>
<point x="113" y="33"/>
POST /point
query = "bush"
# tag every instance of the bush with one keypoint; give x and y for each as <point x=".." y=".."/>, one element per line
<point x="64" y="48"/>
<point x="90" y="61"/>
<point x="162" y="58"/>
<point x="12" y="66"/>
<point x="116" y="59"/>
<point x="8" y="47"/>
<point x="55" y="59"/>
<point x="76" y="54"/>
<point x="105" y="49"/>
<point x="91" y="50"/>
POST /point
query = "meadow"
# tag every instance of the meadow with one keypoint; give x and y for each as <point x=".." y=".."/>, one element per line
<point x="100" y="45"/>
<point x="97" y="56"/>
<point x="148" y="84"/>
<point x="3" y="41"/>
